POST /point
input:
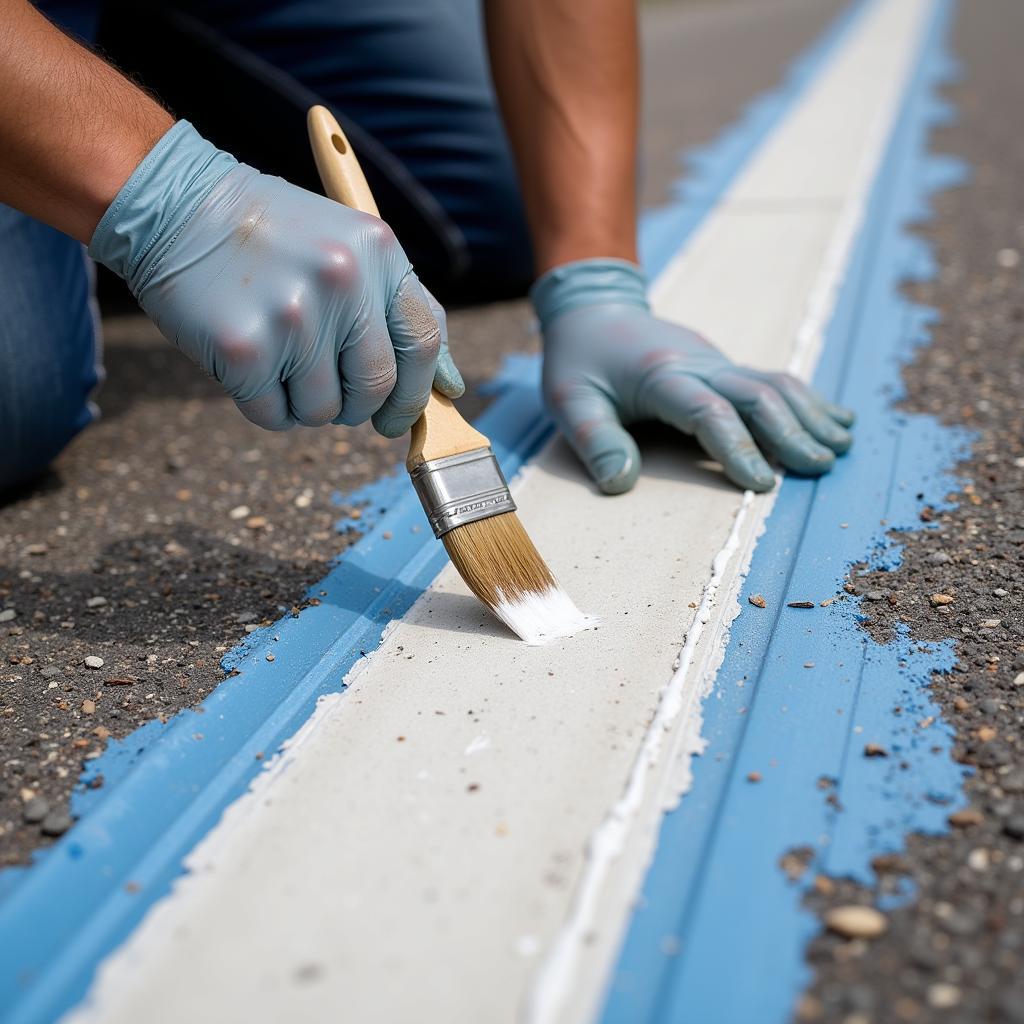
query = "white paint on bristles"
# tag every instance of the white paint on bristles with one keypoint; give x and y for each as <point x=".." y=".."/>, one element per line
<point x="539" y="618"/>
<point x="429" y="883"/>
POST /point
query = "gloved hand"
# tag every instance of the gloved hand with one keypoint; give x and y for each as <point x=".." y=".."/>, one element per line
<point x="609" y="363"/>
<point x="304" y="310"/>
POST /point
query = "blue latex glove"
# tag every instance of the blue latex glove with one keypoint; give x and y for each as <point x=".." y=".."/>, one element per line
<point x="304" y="310"/>
<point x="609" y="363"/>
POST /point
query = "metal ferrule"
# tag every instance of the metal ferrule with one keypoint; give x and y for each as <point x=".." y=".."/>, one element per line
<point x="461" y="489"/>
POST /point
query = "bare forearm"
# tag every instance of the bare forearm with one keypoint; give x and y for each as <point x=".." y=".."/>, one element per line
<point x="72" y="129"/>
<point x="567" y="79"/>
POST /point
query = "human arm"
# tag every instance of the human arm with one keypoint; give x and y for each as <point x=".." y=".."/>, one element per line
<point x="305" y="311"/>
<point x="567" y="79"/>
<point x="73" y="129"/>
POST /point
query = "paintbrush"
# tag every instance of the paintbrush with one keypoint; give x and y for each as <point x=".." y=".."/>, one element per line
<point x="454" y="470"/>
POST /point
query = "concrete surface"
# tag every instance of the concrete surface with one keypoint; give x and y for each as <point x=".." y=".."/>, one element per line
<point x="455" y="877"/>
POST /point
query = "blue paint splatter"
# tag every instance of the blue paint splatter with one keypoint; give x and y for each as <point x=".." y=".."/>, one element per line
<point x="372" y="500"/>
<point x="801" y="692"/>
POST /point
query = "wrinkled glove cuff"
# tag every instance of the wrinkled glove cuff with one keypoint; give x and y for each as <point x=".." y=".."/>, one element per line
<point x="156" y="202"/>
<point x="588" y="283"/>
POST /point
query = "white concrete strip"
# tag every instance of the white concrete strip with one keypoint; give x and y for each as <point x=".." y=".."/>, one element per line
<point x="460" y="835"/>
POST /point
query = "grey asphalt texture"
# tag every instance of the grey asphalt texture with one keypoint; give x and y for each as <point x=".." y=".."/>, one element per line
<point x="171" y="524"/>
<point x="955" y="953"/>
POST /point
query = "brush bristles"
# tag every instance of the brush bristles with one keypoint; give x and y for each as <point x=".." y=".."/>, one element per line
<point x="502" y="567"/>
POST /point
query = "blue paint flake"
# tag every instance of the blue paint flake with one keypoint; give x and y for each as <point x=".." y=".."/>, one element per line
<point x="720" y="933"/>
<point x="371" y="501"/>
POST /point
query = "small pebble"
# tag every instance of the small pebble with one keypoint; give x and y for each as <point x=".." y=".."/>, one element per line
<point x="36" y="549"/>
<point x="1008" y="258"/>
<point x="35" y="810"/>
<point x="939" y="558"/>
<point x="941" y="599"/>
<point x="999" y="592"/>
<point x="1014" y="827"/>
<point x="966" y="818"/>
<point x="799" y="604"/>
<point x="943" y="996"/>
<point x="88" y="707"/>
<point x="270" y="657"/>
<point x="93" y="662"/>
<point x="755" y="599"/>
<point x="56" y="823"/>
<point x="753" y="776"/>
<point x="96" y="602"/>
<point x="856" y="922"/>
<point x="875" y="595"/>
<point x="240" y="512"/>
<point x="875" y="750"/>
<point x="978" y="860"/>
<point x="8" y="614"/>
<point x="256" y="522"/>
<point x="51" y="672"/>
<point x="1018" y="680"/>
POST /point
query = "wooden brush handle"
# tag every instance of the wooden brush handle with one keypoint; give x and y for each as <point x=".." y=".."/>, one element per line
<point x="440" y="431"/>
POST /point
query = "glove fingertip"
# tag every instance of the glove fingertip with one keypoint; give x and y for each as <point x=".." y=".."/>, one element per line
<point x="841" y="414"/>
<point x="615" y="472"/>
<point x="447" y="378"/>
<point x="392" y="426"/>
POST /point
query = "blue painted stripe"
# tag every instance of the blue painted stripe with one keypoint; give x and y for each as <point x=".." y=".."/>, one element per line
<point x="167" y="785"/>
<point x="720" y="933"/>
<point x="165" y="788"/>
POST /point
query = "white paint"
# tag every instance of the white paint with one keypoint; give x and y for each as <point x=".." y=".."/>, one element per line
<point x="550" y="993"/>
<point x="477" y="744"/>
<point x="542" y="618"/>
<point x="421" y="897"/>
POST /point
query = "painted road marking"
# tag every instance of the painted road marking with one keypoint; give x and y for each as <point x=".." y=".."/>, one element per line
<point x="375" y="808"/>
<point x="720" y="934"/>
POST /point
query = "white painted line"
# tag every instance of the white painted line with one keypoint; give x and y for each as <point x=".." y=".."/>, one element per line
<point x="460" y="835"/>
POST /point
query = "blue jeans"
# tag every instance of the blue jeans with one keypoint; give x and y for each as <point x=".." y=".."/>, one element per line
<point x="408" y="80"/>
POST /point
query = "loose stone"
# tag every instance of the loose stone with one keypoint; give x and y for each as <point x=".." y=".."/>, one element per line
<point x="1014" y="827"/>
<point x="35" y="810"/>
<point x="941" y="599"/>
<point x="965" y="818"/>
<point x="8" y="614"/>
<point x="943" y="996"/>
<point x="93" y="662"/>
<point x="56" y="823"/>
<point x="856" y="922"/>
